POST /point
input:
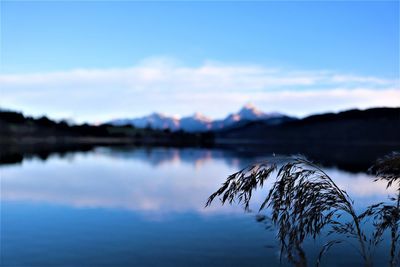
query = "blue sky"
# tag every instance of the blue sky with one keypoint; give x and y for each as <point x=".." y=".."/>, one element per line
<point x="112" y="59"/>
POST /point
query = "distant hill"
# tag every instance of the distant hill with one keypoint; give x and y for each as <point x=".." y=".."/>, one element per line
<point x="201" y="123"/>
<point x="376" y="125"/>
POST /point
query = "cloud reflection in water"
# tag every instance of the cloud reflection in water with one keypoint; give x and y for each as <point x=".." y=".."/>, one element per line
<point x="158" y="181"/>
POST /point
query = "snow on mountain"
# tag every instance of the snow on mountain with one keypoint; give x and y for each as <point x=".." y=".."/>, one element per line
<point x="250" y="112"/>
<point x="247" y="113"/>
<point x="196" y="123"/>
<point x="199" y="122"/>
<point x="155" y="120"/>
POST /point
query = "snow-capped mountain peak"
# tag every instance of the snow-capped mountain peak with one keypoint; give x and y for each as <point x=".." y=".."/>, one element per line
<point x="196" y="123"/>
<point x="250" y="112"/>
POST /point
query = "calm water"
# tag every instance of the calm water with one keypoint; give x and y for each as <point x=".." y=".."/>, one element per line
<point x="138" y="207"/>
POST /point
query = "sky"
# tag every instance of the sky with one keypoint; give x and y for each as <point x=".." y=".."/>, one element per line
<point x="94" y="61"/>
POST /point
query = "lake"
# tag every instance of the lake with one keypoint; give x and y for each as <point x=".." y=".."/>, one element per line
<point x="145" y="207"/>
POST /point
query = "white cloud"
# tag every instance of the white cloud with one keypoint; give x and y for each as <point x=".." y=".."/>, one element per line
<point x="212" y="88"/>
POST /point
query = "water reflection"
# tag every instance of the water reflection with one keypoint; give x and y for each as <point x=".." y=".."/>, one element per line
<point x="143" y="207"/>
<point x="157" y="180"/>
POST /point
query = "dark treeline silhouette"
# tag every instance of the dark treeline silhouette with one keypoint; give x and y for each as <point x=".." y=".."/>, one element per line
<point x="26" y="136"/>
<point x="371" y="126"/>
<point x="14" y="126"/>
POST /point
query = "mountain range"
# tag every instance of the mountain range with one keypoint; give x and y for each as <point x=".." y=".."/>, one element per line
<point x="200" y="123"/>
<point x="351" y="139"/>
